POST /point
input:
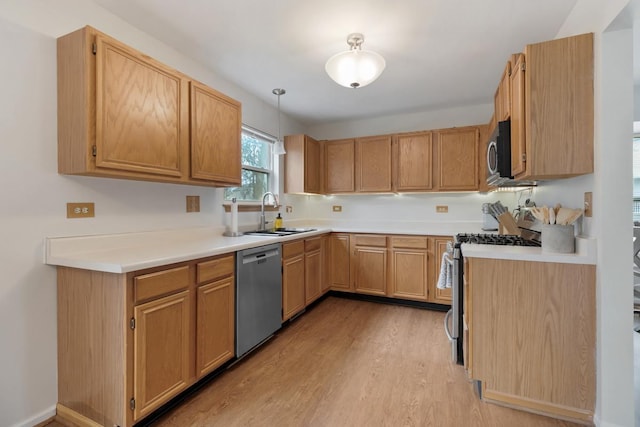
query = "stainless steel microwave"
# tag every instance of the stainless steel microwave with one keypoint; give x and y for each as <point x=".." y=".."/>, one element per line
<point x="499" y="158"/>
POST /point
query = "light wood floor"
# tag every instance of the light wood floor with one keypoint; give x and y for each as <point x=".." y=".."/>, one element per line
<point x="349" y="363"/>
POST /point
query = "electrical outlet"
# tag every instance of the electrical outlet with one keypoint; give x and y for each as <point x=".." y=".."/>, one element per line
<point x="588" y="204"/>
<point x="442" y="209"/>
<point x="193" y="203"/>
<point x="288" y="209"/>
<point x="337" y="208"/>
<point x="81" y="210"/>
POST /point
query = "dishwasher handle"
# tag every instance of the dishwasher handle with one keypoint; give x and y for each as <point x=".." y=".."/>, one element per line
<point x="256" y="257"/>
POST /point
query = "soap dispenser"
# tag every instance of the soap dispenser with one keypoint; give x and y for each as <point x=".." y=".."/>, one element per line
<point x="278" y="222"/>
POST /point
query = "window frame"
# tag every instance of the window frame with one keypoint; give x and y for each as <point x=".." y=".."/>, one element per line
<point x="272" y="174"/>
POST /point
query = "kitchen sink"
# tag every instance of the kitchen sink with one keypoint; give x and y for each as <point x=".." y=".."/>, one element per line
<point x="278" y="232"/>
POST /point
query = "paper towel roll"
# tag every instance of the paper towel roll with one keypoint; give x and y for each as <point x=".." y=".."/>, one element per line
<point x="234" y="216"/>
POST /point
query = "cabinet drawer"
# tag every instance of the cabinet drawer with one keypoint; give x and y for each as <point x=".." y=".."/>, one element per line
<point x="370" y="240"/>
<point x="312" y="244"/>
<point x="160" y="283"/>
<point x="292" y="248"/>
<point x="410" y="242"/>
<point x="216" y="268"/>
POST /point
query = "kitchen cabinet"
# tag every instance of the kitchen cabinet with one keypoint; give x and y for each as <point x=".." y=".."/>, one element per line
<point x="129" y="342"/>
<point x="373" y="164"/>
<point x="485" y="133"/>
<point x="325" y="248"/>
<point x="122" y="114"/>
<point x="369" y="264"/>
<point x="312" y="269"/>
<point x="340" y="262"/>
<point x="532" y="332"/>
<point x="502" y="97"/>
<point x="216" y="126"/>
<point x="412" y="161"/>
<point x="456" y="155"/>
<point x="302" y="165"/>
<point x="293" y="278"/>
<point x="409" y="267"/>
<point x="215" y="307"/>
<point x="436" y="295"/>
<point x="553" y="83"/>
<point x="161" y="351"/>
<point x="339" y="174"/>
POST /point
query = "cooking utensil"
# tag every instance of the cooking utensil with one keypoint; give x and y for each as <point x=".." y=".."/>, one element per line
<point x="552" y="216"/>
<point x="563" y="215"/>
<point x="545" y="211"/>
<point x="577" y="213"/>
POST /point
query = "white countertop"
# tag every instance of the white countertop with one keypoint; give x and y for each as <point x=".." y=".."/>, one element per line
<point x="585" y="253"/>
<point x="125" y="252"/>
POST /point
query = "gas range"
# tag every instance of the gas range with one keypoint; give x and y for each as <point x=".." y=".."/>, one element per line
<point x="494" y="239"/>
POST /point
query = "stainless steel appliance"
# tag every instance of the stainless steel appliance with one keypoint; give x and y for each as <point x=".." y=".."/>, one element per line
<point x="499" y="158"/>
<point x="453" y="321"/>
<point x="258" y="296"/>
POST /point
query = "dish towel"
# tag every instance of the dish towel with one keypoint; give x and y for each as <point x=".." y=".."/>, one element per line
<point x="446" y="272"/>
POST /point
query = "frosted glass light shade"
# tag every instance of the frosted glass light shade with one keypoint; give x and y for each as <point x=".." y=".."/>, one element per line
<point x="355" y="68"/>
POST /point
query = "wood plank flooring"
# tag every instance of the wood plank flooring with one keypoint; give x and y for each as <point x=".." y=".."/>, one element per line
<point x="349" y="363"/>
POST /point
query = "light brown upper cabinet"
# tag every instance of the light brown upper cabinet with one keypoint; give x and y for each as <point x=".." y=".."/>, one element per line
<point x="373" y="164"/>
<point x="557" y="99"/>
<point x="122" y="114"/>
<point x="502" y="98"/>
<point x="412" y="162"/>
<point x="518" y="117"/>
<point x="456" y="154"/>
<point x="340" y="164"/>
<point x="302" y="165"/>
<point x="216" y="125"/>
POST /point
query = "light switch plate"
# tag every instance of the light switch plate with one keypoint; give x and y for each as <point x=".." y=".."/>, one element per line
<point x="337" y="208"/>
<point x="442" y="209"/>
<point x="193" y="203"/>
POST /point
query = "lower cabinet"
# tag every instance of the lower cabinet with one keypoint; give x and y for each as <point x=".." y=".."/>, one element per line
<point x="292" y="278"/>
<point x="161" y="351"/>
<point x="303" y="274"/>
<point x="128" y="343"/>
<point x="369" y="264"/>
<point x="340" y="262"/>
<point x="409" y="267"/>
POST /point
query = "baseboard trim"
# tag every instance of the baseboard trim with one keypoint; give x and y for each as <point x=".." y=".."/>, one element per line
<point x="70" y="417"/>
<point x="38" y="419"/>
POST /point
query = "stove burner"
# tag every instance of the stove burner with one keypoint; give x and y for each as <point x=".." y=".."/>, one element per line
<point x="495" y="239"/>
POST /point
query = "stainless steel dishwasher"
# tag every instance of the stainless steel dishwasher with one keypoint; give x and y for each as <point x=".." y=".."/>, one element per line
<point x="258" y="296"/>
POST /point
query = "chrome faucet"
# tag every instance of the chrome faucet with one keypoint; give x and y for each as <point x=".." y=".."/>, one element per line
<point x="263" y="223"/>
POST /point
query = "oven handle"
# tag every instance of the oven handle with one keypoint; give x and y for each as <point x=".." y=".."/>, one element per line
<point x="446" y="324"/>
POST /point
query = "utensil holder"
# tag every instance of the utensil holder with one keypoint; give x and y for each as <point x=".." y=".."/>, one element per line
<point x="558" y="238"/>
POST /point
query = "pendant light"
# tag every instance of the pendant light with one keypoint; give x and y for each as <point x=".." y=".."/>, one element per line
<point x="278" y="147"/>
<point x="355" y="67"/>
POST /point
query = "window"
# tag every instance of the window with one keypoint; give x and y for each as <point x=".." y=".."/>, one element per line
<point x="257" y="167"/>
<point x="636" y="178"/>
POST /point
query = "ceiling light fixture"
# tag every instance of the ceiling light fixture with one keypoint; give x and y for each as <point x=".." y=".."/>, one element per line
<point x="278" y="148"/>
<point x="355" y="67"/>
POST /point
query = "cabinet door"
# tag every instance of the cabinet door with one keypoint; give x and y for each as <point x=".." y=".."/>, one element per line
<point x="161" y="351"/>
<point x="518" y="153"/>
<point x="502" y="99"/>
<point x="312" y="275"/>
<point x="340" y="163"/>
<point x="325" y="248"/>
<point x="373" y="164"/>
<point x="439" y="296"/>
<point x="292" y="286"/>
<point x="339" y="263"/>
<point x="413" y="162"/>
<point x="302" y="165"/>
<point x="141" y="113"/>
<point x="215" y="325"/>
<point x="369" y="269"/>
<point x="457" y="154"/>
<point x="215" y="136"/>
<point x="409" y="272"/>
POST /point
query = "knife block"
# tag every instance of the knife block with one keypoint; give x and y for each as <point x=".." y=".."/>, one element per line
<point x="508" y="224"/>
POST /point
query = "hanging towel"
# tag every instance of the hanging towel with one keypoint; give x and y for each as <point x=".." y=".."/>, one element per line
<point x="446" y="272"/>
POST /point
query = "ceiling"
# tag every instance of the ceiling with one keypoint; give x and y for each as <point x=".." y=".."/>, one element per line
<point x="439" y="53"/>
